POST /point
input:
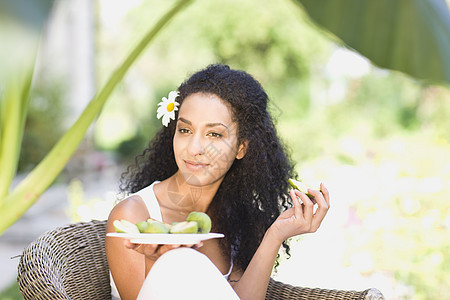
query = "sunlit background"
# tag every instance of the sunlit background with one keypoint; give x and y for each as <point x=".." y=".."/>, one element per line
<point x="378" y="139"/>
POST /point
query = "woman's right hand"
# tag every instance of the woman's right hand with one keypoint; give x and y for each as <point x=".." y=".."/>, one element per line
<point x="301" y="218"/>
<point x="154" y="251"/>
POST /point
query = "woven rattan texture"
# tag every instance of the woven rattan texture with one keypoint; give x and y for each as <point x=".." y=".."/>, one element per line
<point x="70" y="263"/>
<point x="279" y="290"/>
<point x="66" y="263"/>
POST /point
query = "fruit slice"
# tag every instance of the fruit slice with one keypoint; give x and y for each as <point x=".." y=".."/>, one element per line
<point x="202" y="219"/>
<point x="157" y="227"/>
<point x="302" y="187"/>
<point x="142" y="226"/>
<point x="184" y="227"/>
<point x="124" y="226"/>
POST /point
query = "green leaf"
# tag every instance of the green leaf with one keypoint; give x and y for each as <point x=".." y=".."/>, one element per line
<point x="411" y="36"/>
<point x="14" y="105"/>
<point x="21" y="22"/>
<point x="29" y="190"/>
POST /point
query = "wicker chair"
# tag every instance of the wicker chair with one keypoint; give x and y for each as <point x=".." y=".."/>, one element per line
<point x="70" y="263"/>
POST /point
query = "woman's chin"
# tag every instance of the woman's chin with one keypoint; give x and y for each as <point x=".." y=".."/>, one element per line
<point x="199" y="179"/>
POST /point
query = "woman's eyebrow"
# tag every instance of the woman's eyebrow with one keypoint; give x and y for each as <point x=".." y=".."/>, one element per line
<point x="216" y="124"/>
<point x="185" y="121"/>
<point x="208" y="125"/>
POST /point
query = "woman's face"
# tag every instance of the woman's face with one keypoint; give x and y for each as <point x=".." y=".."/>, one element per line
<point x="205" y="141"/>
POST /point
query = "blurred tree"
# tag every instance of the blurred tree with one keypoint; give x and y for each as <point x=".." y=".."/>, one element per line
<point x="271" y="41"/>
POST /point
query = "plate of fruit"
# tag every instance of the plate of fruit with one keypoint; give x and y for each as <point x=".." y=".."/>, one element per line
<point x="194" y="229"/>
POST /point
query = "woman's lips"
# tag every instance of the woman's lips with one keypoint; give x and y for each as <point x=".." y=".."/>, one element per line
<point x="194" y="166"/>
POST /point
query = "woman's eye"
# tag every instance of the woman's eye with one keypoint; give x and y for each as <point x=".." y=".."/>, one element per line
<point x="183" y="130"/>
<point x="215" y="134"/>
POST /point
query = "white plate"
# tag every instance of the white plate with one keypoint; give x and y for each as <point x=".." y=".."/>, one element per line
<point x="166" y="238"/>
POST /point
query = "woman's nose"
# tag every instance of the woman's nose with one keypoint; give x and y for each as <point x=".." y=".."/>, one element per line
<point x="195" y="146"/>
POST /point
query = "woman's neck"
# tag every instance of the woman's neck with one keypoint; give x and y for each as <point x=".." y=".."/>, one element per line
<point x="176" y="194"/>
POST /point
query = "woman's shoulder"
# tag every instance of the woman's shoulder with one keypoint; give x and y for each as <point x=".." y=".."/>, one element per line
<point x="132" y="209"/>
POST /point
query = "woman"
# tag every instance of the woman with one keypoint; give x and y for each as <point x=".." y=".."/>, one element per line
<point x="221" y="155"/>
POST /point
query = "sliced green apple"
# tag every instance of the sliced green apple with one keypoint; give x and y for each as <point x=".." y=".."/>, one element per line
<point x="124" y="226"/>
<point x="142" y="226"/>
<point x="202" y="219"/>
<point x="302" y="187"/>
<point x="184" y="227"/>
<point x="157" y="227"/>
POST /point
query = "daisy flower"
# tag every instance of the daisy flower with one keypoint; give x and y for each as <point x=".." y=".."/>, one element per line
<point x="167" y="108"/>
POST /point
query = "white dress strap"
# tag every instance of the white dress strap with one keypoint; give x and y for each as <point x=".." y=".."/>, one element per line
<point x="229" y="271"/>
<point x="148" y="195"/>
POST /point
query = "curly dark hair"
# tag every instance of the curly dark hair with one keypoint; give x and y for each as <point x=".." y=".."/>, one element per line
<point x="255" y="190"/>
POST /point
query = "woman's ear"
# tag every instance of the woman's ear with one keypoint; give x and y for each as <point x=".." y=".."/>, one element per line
<point x="242" y="150"/>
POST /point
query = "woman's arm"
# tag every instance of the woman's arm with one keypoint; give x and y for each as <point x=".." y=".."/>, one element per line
<point x="253" y="283"/>
<point x="294" y="221"/>
<point x="127" y="266"/>
<point x="130" y="263"/>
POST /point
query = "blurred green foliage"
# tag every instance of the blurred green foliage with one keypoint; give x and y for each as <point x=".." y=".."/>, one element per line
<point x="11" y="292"/>
<point x="270" y="41"/>
<point x="44" y="124"/>
<point x="390" y="141"/>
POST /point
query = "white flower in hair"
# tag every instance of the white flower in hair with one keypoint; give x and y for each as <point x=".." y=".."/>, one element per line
<point x="167" y="108"/>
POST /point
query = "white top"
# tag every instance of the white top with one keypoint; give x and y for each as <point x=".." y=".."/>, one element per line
<point x="148" y="195"/>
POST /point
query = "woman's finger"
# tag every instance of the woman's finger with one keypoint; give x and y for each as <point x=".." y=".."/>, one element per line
<point x="298" y="209"/>
<point x="145" y="249"/>
<point x="325" y="193"/>
<point x="150" y="249"/>
<point x="198" y="245"/>
<point x="128" y="244"/>
<point x="165" y="248"/>
<point x="319" y="197"/>
<point x="321" y="211"/>
<point x="308" y="206"/>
